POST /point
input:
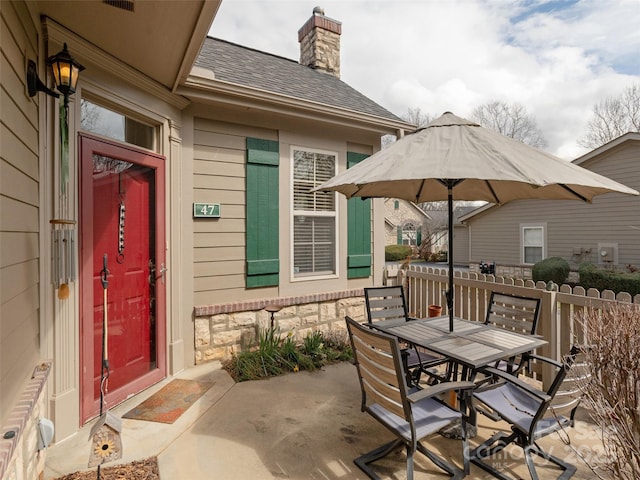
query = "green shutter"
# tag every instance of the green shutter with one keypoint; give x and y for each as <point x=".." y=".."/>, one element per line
<point x="399" y="235"/>
<point x="359" y="232"/>
<point x="419" y="236"/>
<point x="262" y="225"/>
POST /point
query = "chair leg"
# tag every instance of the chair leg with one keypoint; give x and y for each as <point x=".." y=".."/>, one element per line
<point x="489" y="448"/>
<point x="409" y="463"/>
<point x="441" y="463"/>
<point x="500" y="440"/>
<point x="363" y="461"/>
<point x="568" y="469"/>
<point x="366" y="459"/>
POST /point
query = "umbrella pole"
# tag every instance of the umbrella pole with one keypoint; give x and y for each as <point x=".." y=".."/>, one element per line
<point x="450" y="253"/>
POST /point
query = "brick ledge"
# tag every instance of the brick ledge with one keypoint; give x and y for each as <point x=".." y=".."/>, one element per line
<point x="207" y="310"/>
<point x="21" y="413"/>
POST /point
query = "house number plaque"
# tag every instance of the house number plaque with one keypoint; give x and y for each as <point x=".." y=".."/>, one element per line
<point x="206" y="210"/>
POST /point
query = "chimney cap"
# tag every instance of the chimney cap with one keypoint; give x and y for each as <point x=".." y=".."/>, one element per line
<point x="318" y="11"/>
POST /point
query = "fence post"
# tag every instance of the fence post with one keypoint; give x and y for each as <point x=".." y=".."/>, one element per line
<point x="548" y="328"/>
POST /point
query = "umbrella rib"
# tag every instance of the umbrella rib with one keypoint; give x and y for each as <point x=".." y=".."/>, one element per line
<point x="420" y="191"/>
<point x="493" y="192"/>
<point x="573" y="192"/>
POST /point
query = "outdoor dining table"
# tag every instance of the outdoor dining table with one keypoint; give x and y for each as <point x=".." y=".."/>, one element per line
<point x="471" y="345"/>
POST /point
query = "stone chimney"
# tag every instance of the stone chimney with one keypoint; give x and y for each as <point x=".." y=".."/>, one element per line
<point x="320" y="43"/>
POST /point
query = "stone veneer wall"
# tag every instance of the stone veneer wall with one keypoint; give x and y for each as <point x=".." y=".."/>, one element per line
<point x="224" y="329"/>
<point x="19" y="455"/>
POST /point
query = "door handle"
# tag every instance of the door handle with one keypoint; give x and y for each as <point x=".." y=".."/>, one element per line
<point x="163" y="269"/>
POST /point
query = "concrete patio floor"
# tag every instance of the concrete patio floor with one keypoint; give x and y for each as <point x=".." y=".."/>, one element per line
<point x="306" y="425"/>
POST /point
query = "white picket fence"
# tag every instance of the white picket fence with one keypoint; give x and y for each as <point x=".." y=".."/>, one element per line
<point x="559" y="306"/>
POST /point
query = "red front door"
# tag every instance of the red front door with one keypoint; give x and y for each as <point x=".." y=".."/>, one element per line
<point x="122" y="225"/>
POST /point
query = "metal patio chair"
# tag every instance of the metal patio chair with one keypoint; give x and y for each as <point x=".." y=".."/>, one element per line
<point x="532" y="413"/>
<point x="411" y="414"/>
<point x="388" y="303"/>
<point x="513" y="312"/>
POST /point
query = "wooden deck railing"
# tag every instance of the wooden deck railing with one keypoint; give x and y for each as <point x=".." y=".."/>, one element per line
<point x="559" y="306"/>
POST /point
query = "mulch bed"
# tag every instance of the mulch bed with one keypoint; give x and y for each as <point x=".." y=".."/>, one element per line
<point x="139" y="470"/>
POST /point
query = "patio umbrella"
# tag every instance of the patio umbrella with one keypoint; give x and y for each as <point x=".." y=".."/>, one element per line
<point x="454" y="158"/>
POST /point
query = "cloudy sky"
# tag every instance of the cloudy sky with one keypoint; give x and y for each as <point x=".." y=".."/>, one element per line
<point x="557" y="58"/>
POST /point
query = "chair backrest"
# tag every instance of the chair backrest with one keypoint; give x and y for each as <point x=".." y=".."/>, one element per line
<point x="564" y="393"/>
<point x="568" y="393"/>
<point x="513" y="312"/>
<point x="378" y="360"/>
<point x="384" y="303"/>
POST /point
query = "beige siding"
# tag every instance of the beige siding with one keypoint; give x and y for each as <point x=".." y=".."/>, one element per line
<point x="219" y="177"/>
<point x="19" y="204"/>
<point x="571" y="226"/>
<point x="460" y="245"/>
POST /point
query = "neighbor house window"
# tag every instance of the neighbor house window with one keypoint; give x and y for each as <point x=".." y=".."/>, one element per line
<point x="409" y="234"/>
<point x="532" y="243"/>
<point x="314" y="215"/>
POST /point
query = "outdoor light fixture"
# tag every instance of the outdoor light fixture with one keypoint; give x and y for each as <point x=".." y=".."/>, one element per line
<point x="65" y="74"/>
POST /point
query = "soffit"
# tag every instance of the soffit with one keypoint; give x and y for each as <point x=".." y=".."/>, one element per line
<point x="161" y="39"/>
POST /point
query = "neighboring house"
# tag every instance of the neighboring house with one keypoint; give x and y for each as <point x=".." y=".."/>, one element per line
<point x="440" y="228"/>
<point x="606" y="232"/>
<point x="190" y="161"/>
<point x="404" y="222"/>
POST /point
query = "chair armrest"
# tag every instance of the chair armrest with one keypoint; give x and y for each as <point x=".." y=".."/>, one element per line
<point x="438" y="389"/>
<point x="531" y="356"/>
<point x="507" y="377"/>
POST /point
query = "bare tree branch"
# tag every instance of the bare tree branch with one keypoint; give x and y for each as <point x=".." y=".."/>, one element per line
<point x="416" y="117"/>
<point x="510" y="119"/>
<point x="612" y="117"/>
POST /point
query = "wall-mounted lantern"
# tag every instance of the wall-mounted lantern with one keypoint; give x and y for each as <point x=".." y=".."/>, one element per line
<point x="65" y="74"/>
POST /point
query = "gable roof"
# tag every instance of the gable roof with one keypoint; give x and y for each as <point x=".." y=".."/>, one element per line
<point x="608" y="146"/>
<point x="243" y="66"/>
<point x="414" y="207"/>
<point x="592" y="155"/>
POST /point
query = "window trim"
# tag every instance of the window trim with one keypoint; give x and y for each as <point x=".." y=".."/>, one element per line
<point x="131" y="112"/>
<point x="405" y="234"/>
<point x="293" y="213"/>
<point x="538" y="226"/>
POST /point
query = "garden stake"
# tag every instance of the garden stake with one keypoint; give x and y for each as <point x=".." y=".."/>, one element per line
<point x="104" y="372"/>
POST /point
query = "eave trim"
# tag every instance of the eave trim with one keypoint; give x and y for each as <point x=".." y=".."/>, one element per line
<point x="90" y="54"/>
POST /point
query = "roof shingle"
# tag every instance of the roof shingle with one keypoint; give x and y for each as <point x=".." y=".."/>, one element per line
<point x="252" y="68"/>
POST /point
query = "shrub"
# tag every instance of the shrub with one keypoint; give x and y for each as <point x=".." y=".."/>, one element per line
<point x="275" y="355"/>
<point x="393" y="253"/>
<point x="600" y="279"/>
<point x="438" y="257"/>
<point x="611" y="390"/>
<point x="554" y="269"/>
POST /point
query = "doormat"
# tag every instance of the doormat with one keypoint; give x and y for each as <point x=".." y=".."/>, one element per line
<point x="138" y="470"/>
<point x="171" y="401"/>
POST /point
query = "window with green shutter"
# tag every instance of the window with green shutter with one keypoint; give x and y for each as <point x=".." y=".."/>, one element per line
<point x="359" y="230"/>
<point x="262" y="249"/>
<point x="314" y="214"/>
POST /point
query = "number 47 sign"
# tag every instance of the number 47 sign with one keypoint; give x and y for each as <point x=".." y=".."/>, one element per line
<point x="206" y="210"/>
